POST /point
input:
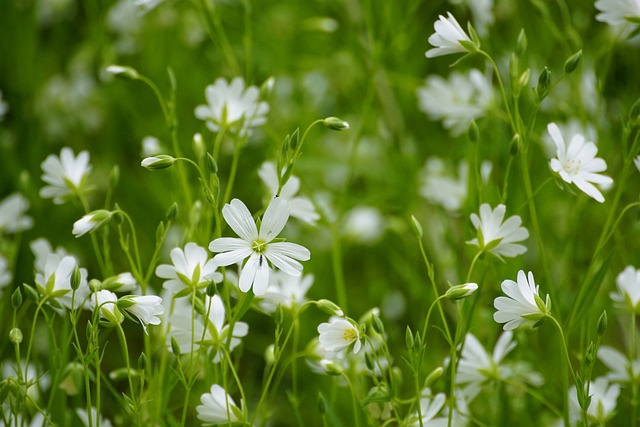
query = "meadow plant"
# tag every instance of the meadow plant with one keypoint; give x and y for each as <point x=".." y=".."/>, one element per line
<point x="319" y="213"/>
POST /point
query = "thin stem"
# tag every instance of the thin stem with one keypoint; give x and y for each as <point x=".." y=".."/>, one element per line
<point x="125" y="353"/>
<point x="567" y="365"/>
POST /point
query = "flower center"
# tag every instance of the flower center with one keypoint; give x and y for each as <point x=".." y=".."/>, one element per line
<point x="259" y="246"/>
<point x="572" y="167"/>
<point x="350" y="335"/>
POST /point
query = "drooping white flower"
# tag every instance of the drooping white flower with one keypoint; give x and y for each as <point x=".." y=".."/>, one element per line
<point x="301" y="207"/>
<point x="91" y="221"/>
<point x="338" y="335"/>
<point x="230" y="106"/>
<point x="258" y="246"/>
<point x="628" y="283"/>
<point x="622" y="369"/>
<point x="146" y="308"/>
<point x="106" y="302"/>
<point x="5" y="274"/>
<point x="218" y="408"/>
<point x="578" y="163"/>
<point x="13" y="218"/>
<point x="285" y="290"/>
<point x="522" y="305"/>
<point x="191" y="268"/>
<point x="447" y="37"/>
<point x="477" y="367"/>
<point x="616" y="13"/>
<point x="498" y="237"/>
<point x="456" y="101"/>
<point x="55" y="281"/>
<point x="217" y="331"/>
<point x="604" y="397"/>
<point x="64" y="174"/>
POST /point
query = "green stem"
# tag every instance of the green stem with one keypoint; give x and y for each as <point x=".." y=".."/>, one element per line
<point x="125" y="353"/>
<point x="567" y="365"/>
<point x="234" y="169"/>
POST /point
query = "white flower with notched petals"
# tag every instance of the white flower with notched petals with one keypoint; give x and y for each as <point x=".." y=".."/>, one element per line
<point x="498" y="237"/>
<point x="106" y="302"/>
<point x="456" y="101"/>
<point x="218" y="408"/>
<point x="522" y="305"/>
<point x="577" y="164"/>
<point x="146" y="308"/>
<point x="447" y="37"/>
<point x="617" y="13"/>
<point x="622" y="369"/>
<point x="12" y="214"/>
<point x="301" y="207"/>
<point x="41" y="249"/>
<point x="604" y="397"/>
<point x="285" y="290"/>
<point x="191" y="268"/>
<point x="338" y="335"/>
<point x="64" y="174"/>
<point x="258" y="246"/>
<point x="628" y="283"/>
<point x="232" y="107"/>
<point x="55" y="280"/>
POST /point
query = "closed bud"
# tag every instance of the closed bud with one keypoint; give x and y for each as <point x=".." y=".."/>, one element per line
<point x="408" y="338"/>
<point x="198" y="145"/>
<point x="433" y="376"/>
<point x="175" y="347"/>
<point x="172" y="212"/>
<point x="160" y="161"/>
<point x="142" y="361"/>
<point x="521" y="44"/>
<point x="335" y="123"/>
<point x="114" y="176"/>
<point x="16" y="299"/>
<point x="76" y="278"/>
<point x="329" y="307"/>
<point x="123" y="71"/>
<point x="15" y="336"/>
<point x="267" y="87"/>
<point x="278" y="316"/>
<point x="461" y="291"/>
<point x="417" y="228"/>
<point x="523" y="81"/>
<point x="544" y="82"/>
<point x="515" y="145"/>
<point x="212" y="289"/>
<point x="212" y="164"/>
<point x="91" y="222"/>
<point x="603" y="322"/>
<point x="572" y="63"/>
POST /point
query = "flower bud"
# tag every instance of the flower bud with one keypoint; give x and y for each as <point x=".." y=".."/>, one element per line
<point x="161" y="161"/>
<point x="76" y="278"/>
<point x="461" y="291"/>
<point x="433" y="376"/>
<point x="198" y="145"/>
<point x="91" y="222"/>
<point x="172" y="212"/>
<point x="335" y="123"/>
<point x="408" y="338"/>
<point x="521" y="44"/>
<point x="329" y="307"/>
<point x="114" y="176"/>
<point x="417" y="228"/>
<point x="16" y="299"/>
<point x="212" y="164"/>
<point x="15" y="336"/>
<point x="175" y="347"/>
<point x="572" y="63"/>
<point x="544" y="82"/>
<point x="515" y="145"/>
<point x="603" y="322"/>
<point x="123" y="71"/>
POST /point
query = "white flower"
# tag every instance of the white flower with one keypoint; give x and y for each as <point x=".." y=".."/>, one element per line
<point x="578" y="163"/>
<point x="5" y="274"/>
<point x="65" y="174"/>
<point x="146" y="308"/>
<point x="337" y="335"/>
<point x="12" y="214"/>
<point x="456" y="101"/>
<point x="106" y="301"/>
<point x="232" y="107"/>
<point x="622" y="369"/>
<point x="191" y="267"/>
<point x="617" y="13"/>
<point x="55" y="280"/>
<point x="430" y="407"/>
<point x="522" y="305"/>
<point x="286" y="290"/>
<point x="91" y="221"/>
<point x="628" y="283"/>
<point x="364" y="224"/>
<point x="258" y="246"/>
<point x="218" y="408"/>
<point x="447" y="37"/>
<point x="604" y="398"/>
<point x="476" y="367"/>
<point x="123" y="282"/>
<point x="41" y="249"/>
<point x="496" y="236"/>
<point x="301" y="207"/>
<point x="217" y="332"/>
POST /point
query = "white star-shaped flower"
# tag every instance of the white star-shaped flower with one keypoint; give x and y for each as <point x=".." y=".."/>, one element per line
<point x="258" y="246"/>
<point x="522" y="305"/>
<point x="496" y="236"/>
<point x="578" y="164"/>
<point x="65" y="174"/>
<point x="628" y="284"/>
<point x="447" y="37"/>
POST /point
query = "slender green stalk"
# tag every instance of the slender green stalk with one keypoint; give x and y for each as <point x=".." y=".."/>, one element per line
<point x="132" y="390"/>
<point x="567" y="366"/>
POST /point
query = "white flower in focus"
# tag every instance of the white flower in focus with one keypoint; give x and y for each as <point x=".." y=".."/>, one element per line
<point x="285" y="290"/>
<point x="106" y="302"/>
<point x="258" y="246"/>
<point x="622" y="369"/>
<point x="218" y="408"/>
<point x="65" y="175"/>
<point x="84" y="417"/>
<point x="191" y="268"/>
<point x="301" y="207"/>
<point x="578" y="163"/>
<point x="628" y="283"/>
<point x="55" y="280"/>
<point x="230" y="106"/>
<point x="12" y="214"/>
<point x="217" y="332"/>
<point x="456" y="101"/>
<point x="5" y="274"/>
<point x="146" y="308"/>
<point x="616" y="13"/>
<point x="522" y="305"/>
<point x="476" y="367"/>
<point x="498" y="237"/>
<point x="364" y="224"/>
<point x="604" y="398"/>
<point x="338" y="335"/>
<point x="447" y="37"/>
